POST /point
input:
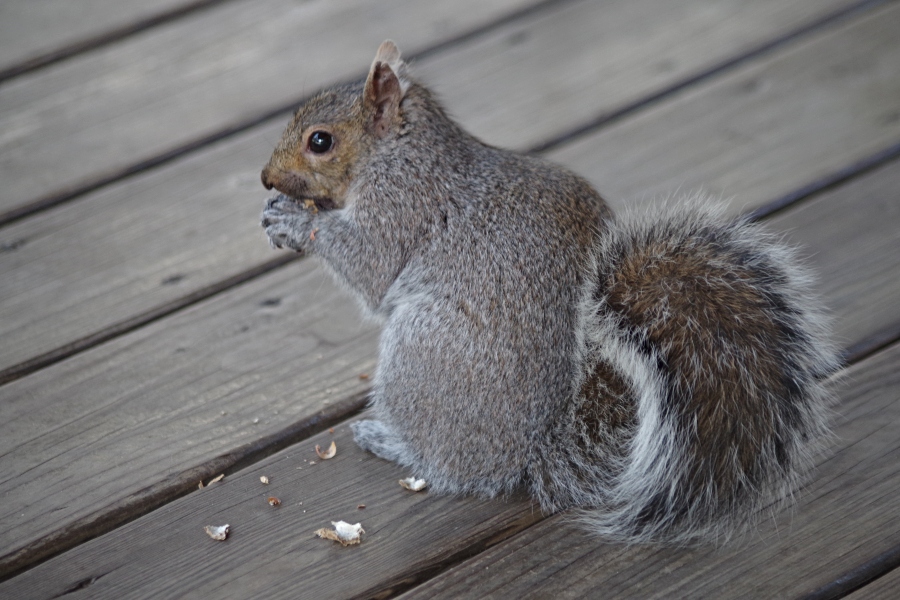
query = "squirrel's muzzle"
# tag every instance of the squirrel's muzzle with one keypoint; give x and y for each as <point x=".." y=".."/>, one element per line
<point x="266" y="178"/>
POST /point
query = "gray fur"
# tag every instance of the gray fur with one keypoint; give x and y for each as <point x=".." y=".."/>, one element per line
<point x="487" y="270"/>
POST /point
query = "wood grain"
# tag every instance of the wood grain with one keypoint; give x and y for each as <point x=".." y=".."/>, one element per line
<point x="847" y="515"/>
<point x="86" y="266"/>
<point x="776" y="122"/>
<point x="186" y="391"/>
<point x="272" y="552"/>
<point x="559" y="70"/>
<point x="699" y="18"/>
<point x="850" y="236"/>
<point x="883" y="588"/>
<point x="160" y="236"/>
<point x="174" y="371"/>
<point x="149" y="410"/>
<point x="859" y="576"/>
<point x="82" y="435"/>
<point x="101" y="112"/>
<point x="29" y="31"/>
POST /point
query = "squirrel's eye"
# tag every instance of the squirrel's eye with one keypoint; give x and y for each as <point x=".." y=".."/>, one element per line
<point x="320" y="142"/>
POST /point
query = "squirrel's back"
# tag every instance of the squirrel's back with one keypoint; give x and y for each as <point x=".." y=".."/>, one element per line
<point x="700" y="394"/>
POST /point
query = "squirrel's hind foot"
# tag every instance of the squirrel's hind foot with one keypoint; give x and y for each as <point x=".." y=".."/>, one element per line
<point x="377" y="438"/>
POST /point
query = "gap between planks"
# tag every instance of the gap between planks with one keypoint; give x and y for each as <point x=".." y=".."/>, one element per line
<point x="281" y="111"/>
<point x="173" y="487"/>
<point x="794" y="198"/>
<point x="780" y="559"/>
<point x="883" y="587"/>
<point x="874" y="344"/>
<point x="410" y="539"/>
<point x="117" y="329"/>
<point x="260" y="117"/>
<point x="105" y="38"/>
<point x="884" y="565"/>
<point x="727" y="64"/>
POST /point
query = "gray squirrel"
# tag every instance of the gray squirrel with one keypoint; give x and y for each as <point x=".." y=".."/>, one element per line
<point x="661" y="372"/>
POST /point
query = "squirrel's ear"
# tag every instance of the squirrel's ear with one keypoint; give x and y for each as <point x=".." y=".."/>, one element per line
<point x="386" y="86"/>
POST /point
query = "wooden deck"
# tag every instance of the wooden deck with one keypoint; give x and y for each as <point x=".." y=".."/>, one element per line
<point x="152" y="340"/>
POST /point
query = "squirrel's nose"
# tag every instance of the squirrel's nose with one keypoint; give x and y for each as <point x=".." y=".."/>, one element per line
<point x="266" y="179"/>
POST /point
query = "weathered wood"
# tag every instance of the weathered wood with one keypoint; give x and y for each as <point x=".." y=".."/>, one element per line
<point x="272" y="552"/>
<point x="883" y="588"/>
<point x="847" y="515"/>
<point x="770" y="121"/>
<point x="62" y="427"/>
<point x="102" y="112"/>
<point x="92" y="413"/>
<point x="851" y="238"/>
<point x="408" y="535"/>
<point x="153" y="239"/>
<point x="858" y="577"/>
<point x="560" y="70"/>
<point x="39" y="32"/>
<point x="86" y="443"/>
<point x="166" y="234"/>
<point x="125" y="105"/>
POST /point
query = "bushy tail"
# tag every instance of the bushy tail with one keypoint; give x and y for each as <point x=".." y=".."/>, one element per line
<point x="699" y="397"/>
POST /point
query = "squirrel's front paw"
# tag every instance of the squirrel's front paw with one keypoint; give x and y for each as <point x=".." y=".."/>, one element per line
<point x="287" y="224"/>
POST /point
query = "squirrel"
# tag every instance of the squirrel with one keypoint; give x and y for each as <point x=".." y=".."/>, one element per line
<point x="660" y="373"/>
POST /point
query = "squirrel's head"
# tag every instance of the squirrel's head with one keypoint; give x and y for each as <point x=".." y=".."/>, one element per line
<point x="334" y="133"/>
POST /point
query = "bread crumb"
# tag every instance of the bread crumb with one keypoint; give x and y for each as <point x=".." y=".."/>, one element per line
<point x="344" y="533"/>
<point x="413" y="484"/>
<point x="217" y="532"/>
<point x="325" y="455"/>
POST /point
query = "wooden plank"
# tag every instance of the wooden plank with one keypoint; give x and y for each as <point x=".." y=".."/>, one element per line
<point x="883" y="588"/>
<point x="860" y="576"/>
<point x="851" y="238"/>
<point x="232" y="365"/>
<point x="160" y="243"/>
<point x="729" y="138"/>
<point x="102" y="112"/>
<point x="180" y="429"/>
<point x="595" y="59"/>
<point x="87" y="443"/>
<point x="272" y="552"/>
<point x="129" y="248"/>
<point x="37" y="32"/>
<point x="190" y="79"/>
<point x="846" y="516"/>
